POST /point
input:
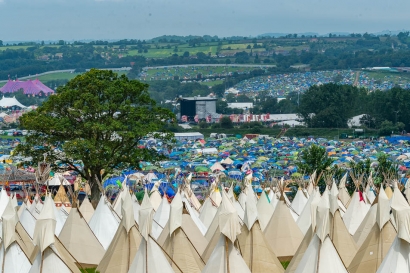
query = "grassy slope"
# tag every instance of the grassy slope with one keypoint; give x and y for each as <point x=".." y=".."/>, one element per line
<point x="292" y="132"/>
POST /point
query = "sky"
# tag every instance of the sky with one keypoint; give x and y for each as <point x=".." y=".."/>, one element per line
<point x="36" y="20"/>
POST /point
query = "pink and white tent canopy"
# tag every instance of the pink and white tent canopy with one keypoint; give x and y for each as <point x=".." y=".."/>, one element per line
<point x="29" y="87"/>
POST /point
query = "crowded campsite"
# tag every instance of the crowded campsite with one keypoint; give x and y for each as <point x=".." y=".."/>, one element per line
<point x="248" y="207"/>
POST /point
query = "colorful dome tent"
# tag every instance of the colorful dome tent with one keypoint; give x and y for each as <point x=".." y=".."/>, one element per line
<point x="29" y="87"/>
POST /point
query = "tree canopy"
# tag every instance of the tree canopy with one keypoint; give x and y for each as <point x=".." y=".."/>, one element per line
<point x="331" y="105"/>
<point x="312" y="159"/>
<point x="97" y="119"/>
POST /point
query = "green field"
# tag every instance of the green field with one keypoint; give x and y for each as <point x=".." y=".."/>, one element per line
<point x="57" y="76"/>
<point x="212" y="83"/>
<point x="160" y="52"/>
<point x="238" y="46"/>
<point x="190" y="72"/>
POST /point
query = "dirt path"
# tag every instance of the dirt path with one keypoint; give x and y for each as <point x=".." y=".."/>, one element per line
<point x="356" y="80"/>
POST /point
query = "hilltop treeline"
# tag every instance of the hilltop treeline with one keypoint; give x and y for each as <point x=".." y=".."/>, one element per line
<point x="332" y="105"/>
<point x="321" y="53"/>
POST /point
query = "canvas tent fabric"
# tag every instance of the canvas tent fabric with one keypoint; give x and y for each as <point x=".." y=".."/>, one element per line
<point x="356" y="211"/>
<point x="125" y="243"/>
<point x="182" y="240"/>
<point x="149" y="259"/>
<point x="161" y="217"/>
<point x="299" y="202"/>
<point x="374" y="248"/>
<point x="282" y="233"/>
<point x="225" y="258"/>
<point x="104" y="223"/>
<point x="29" y="87"/>
<point x="86" y="209"/>
<point x="328" y="261"/>
<point x="256" y="252"/>
<point x="265" y="210"/>
<point x="80" y="241"/>
<point x="10" y="102"/>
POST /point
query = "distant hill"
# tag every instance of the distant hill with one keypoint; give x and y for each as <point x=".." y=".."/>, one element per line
<point x="282" y="34"/>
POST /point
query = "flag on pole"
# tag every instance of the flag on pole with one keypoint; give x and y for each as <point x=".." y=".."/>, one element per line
<point x="196" y="118"/>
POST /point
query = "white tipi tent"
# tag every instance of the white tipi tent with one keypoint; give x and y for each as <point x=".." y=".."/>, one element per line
<point x="104" y="222"/>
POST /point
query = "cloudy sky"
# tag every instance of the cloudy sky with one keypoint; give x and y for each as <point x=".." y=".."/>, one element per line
<point x="23" y="20"/>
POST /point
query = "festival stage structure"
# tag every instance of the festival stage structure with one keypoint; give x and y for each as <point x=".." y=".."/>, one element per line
<point x="29" y="87"/>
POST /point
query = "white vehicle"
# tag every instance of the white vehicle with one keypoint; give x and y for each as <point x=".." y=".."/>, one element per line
<point x="24" y="132"/>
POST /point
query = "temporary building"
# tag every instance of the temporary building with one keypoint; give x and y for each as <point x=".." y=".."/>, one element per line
<point x="343" y="193"/>
<point x="10" y="102"/>
<point x="29" y="87"/>
<point x="299" y="202"/>
<point x="397" y="259"/>
<point x="149" y="257"/>
<point x="221" y="254"/>
<point x="86" y="209"/>
<point x="189" y="194"/>
<point x="215" y="195"/>
<point x="377" y="243"/>
<point x="80" y="241"/>
<point x="282" y="232"/>
<point x="57" y="180"/>
<point x="182" y="240"/>
<point x="155" y="196"/>
<point x="340" y="236"/>
<point x="308" y="213"/>
<point x="28" y="221"/>
<point x="194" y="215"/>
<point x="356" y="211"/>
<point x="161" y="217"/>
<point x="52" y="256"/>
<point x="223" y="220"/>
<point x="61" y="199"/>
<point x="265" y="210"/>
<point x="208" y="212"/>
<point x="255" y="250"/>
<point x="17" y="250"/>
<point x="124" y="245"/>
<point x="104" y="222"/>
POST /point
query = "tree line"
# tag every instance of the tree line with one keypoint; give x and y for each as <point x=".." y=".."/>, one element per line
<point x="332" y="105"/>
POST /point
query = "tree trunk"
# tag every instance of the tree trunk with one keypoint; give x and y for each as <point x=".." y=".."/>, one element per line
<point x="95" y="191"/>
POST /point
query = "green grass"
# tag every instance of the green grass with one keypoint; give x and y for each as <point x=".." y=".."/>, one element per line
<point x="89" y="270"/>
<point x="238" y="46"/>
<point x="329" y="133"/>
<point x="192" y="71"/>
<point x="166" y="52"/>
<point x="13" y="47"/>
<point x="285" y="264"/>
<point x="56" y="76"/>
<point x="212" y="83"/>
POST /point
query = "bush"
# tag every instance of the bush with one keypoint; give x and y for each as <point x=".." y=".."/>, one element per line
<point x="216" y="126"/>
<point x="203" y="125"/>
<point x="226" y="122"/>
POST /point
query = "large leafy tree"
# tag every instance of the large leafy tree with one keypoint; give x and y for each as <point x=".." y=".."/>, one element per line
<point x="331" y="105"/>
<point x="97" y="119"/>
<point x="314" y="158"/>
